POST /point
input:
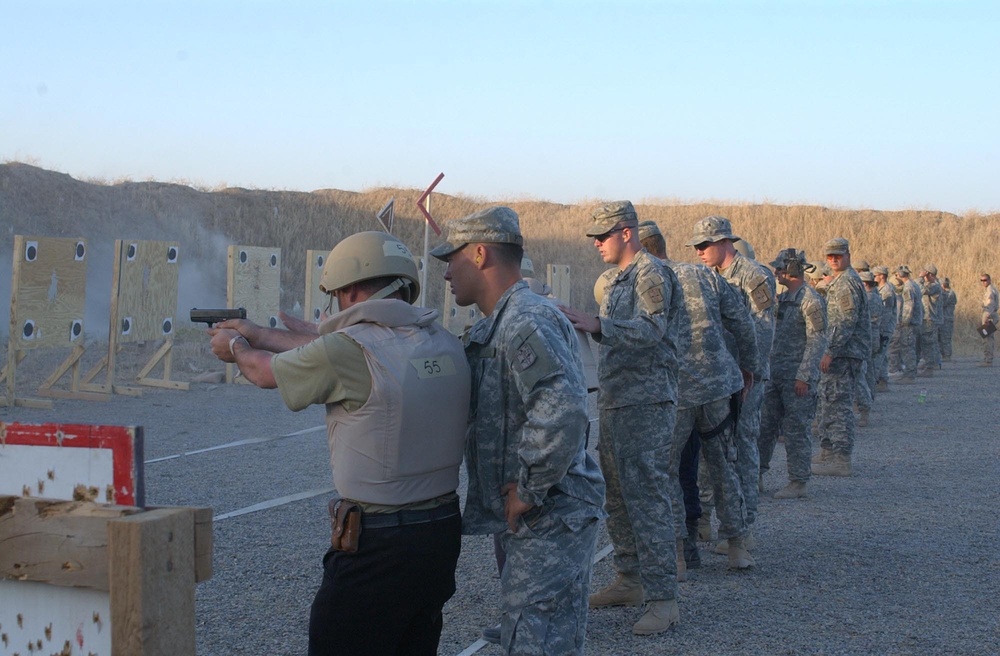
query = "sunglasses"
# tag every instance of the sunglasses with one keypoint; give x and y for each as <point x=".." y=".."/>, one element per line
<point x="703" y="246"/>
<point x="603" y="238"/>
<point x="984" y="280"/>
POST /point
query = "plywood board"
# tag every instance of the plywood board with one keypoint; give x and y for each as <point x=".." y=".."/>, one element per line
<point x="67" y="461"/>
<point x="557" y="277"/>
<point x="147" y="289"/>
<point x="48" y="294"/>
<point x="36" y="618"/>
<point x="254" y="282"/>
<point x="457" y="319"/>
<point x="316" y="301"/>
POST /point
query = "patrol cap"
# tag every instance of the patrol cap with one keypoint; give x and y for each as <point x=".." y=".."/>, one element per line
<point x="862" y="266"/>
<point x="929" y="268"/>
<point x="902" y="269"/>
<point x="609" y="216"/>
<point x="648" y="229"/>
<point x="494" y="225"/>
<point x="744" y="248"/>
<point x="836" y="246"/>
<point x="880" y="271"/>
<point x="712" y="229"/>
<point x="866" y="276"/>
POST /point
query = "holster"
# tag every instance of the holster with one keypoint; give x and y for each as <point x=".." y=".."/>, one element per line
<point x="345" y="520"/>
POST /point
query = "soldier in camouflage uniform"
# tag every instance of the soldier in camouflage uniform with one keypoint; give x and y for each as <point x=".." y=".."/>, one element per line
<point x="848" y="344"/>
<point x="710" y="309"/>
<point x="637" y="370"/>
<point x="790" y="395"/>
<point x="911" y="315"/>
<point x="866" y="383"/>
<point x="713" y="240"/>
<point x="887" y="326"/>
<point x="948" y="302"/>
<point x="991" y="313"/>
<point x="927" y="348"/>
<point x="529" y="473"/>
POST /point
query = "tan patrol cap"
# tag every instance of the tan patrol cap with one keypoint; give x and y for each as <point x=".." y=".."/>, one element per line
<point x="880" y="270"/>
<point x="712" y="229"/>
<point x="611" y="215"/>
<point x="494" y="225"/>
<point x="648" y="229"/>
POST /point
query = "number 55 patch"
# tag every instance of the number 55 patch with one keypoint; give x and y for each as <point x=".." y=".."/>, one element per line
<point x="441" y="365"/>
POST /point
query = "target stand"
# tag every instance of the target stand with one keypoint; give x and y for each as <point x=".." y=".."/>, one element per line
<point x="253" y="281"/>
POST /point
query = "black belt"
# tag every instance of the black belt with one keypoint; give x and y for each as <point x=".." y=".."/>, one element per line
<point x="409" y="517"/>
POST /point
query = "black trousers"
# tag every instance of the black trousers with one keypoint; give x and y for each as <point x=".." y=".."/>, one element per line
<point x="387" y="597"/>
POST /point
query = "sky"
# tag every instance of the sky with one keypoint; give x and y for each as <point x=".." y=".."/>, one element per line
<point x="880" y="104"/>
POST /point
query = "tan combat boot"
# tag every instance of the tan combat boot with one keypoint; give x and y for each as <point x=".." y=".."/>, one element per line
<point x="863" y="419"/>
<point x="659" y="616"/>
<point x="822" y="456"/>
<point x="739" y="557"/>
<point x="626" y="590"/>
<point x="682" y="570"/>
<point x="749" y="542"/>
<point x="794" y="490"/>
<point x="882" y="385"/>
<point x="838" y="465"/>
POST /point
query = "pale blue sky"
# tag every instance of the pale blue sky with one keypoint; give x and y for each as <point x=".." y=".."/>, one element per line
<point x="886" y="105"/>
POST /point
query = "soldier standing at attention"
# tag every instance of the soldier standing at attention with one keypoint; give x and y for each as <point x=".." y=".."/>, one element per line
<point x="848" y="344"/>
<point x="911" y="315"/>
<point x="637" y="372"/>
<point x="991" y="314"/>
<point x="933" y="318"/>
<point x="530" y="477"/>
<point x="713" y="240"/>
<point x="948" y="302"/>
<point x="395" y="384"/>
<point x="866" y="383"/>
<point x="887" y="326"/>
<point x="790" y="397"/>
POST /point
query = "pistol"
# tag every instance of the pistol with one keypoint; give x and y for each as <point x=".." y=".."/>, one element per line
<point x="215" y="315"/>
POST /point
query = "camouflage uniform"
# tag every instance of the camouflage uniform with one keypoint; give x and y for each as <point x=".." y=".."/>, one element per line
<point x="800" y="340"/>
<point x="712" y="311"/>
<point x="911" y="315"/>
<point x="866" y="383"/>
<point x="527" y="426"/>
<point x="933" y="318"/>
<point x="991" y="307"/>
<point x="948" y="301"/>
<point x="889" y="302"/>
<point x="849" y="343"/>
<point x="637" y="369"/>
<point x="757" y="287"/>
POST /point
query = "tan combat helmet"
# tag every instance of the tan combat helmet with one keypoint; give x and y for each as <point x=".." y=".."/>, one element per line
<point x="368" y="255"/>
<point x="602" y="283"/>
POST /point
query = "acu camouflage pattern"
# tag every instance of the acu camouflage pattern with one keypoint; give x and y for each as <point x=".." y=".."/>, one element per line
<point x="528" y="424"/>
<point x="837" y="387"/>
<point x="948" y="302"/>
<point x="637" y="353"/>
<point x="991" y="312"/>
<point x="887" y="329"/>
<point x="866" y="382"/>
<point x="848" y="319"/>
<point x="756" y="282"/>
<point x="927" y="347"/>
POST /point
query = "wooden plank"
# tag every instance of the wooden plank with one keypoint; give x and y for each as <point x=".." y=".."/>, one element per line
<point x="61" y="543"/>
<point x="39" y="620"/>
<point x="558" y="278"/>
<point x="152" y="583"/>
<point x="203" y="538"/>
<point x="51" y="279"/>
<point x="253" y="282"/>
<point x="146" y="292"/>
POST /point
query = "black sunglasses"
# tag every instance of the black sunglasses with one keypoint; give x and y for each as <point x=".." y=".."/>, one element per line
<point x="603" y="238"/>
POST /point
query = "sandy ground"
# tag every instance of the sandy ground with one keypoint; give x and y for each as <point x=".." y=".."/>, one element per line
<point x="899" y="559"/>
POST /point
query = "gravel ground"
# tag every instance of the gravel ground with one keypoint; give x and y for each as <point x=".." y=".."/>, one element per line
<point x="899" y="559"/>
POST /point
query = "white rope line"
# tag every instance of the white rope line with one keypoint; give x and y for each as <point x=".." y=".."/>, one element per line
<point x="230" y="445"/>
<point x="274" y="503"/>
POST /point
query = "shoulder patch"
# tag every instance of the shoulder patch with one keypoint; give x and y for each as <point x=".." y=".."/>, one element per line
<point x="815" y="318"/>
<point x="650" y="291"/>
<point x="530" y="357"/>
<point x="761" y="296"/>
<point x="846" y="301"/>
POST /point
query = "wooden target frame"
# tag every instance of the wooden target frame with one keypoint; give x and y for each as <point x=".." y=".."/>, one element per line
<point x="558" y="278"/>
<point x="143" y="308"/>
<point x="316" y="301"/>
<point x="47" y="301"/>
<point x="253" y="282"/>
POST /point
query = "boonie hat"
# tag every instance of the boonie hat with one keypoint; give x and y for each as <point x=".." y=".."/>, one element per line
<point x="836" y="246"/>
<point x="880" y="270"/>
<point x="494" y="225"/>
<point x="712" y="229"/>
<point x="866" y="276"/>
<point x="814" y="271"/>
<point x="648" y="229"/>
<point x="609" y="216"/>
<point x="902" y="268"/>
<point x="862" y="266"/>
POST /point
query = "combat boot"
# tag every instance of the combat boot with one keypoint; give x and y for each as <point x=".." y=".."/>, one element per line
<point x="682" y="572"/>
<point x="926" y="372"/>
<point x="863" y="419"/>
<point x="659" y="616"/>
<point x="838" y="465"/>
<point x="882" y="385"/>
<point x="691" y="556"/>
<point x="794" y="490"/>
<point x="705" y="528"/>
<point x="626" y="590"/>
<point x="739" y="557"/>
<point x="749" y="542"/>
<point x="822" y="456"/>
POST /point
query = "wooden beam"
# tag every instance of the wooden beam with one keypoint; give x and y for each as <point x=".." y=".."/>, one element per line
<point x="56" y="542"/>
<point x="152" y="583"/>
